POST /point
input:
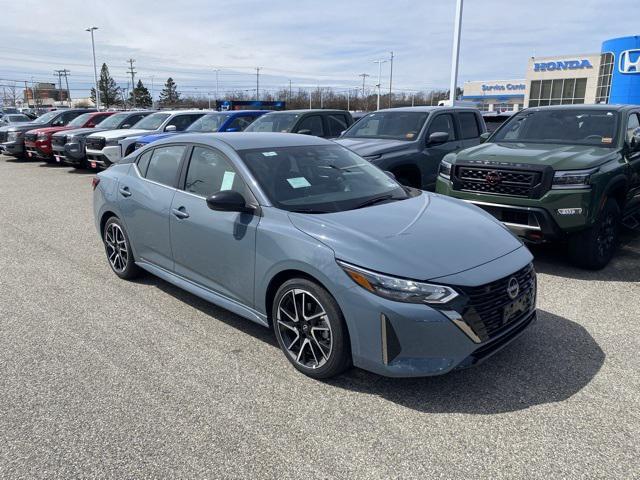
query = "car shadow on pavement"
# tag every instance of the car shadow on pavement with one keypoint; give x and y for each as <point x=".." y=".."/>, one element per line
<point x="552" y="259"/>
<point x="552" y="361"/>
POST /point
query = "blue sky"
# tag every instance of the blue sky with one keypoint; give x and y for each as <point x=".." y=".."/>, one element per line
<point x="326" y="42"/>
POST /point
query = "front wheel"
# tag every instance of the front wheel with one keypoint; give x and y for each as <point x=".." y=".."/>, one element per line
<point x="594" y="247"/>
<point x="118" y="250"/>
<point x="310" y="329"/>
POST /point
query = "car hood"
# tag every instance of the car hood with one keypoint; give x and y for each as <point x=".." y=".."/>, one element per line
<point x="78" y="131"/>
<point x="373" y="146"/>
<point x="50" y="130"/>
<point x="421" y="238"/>
<point x="22" y="127"/>
<point x="560" y="157"/>
<point x="122" y="132"/>
<point x="156" y="136"/>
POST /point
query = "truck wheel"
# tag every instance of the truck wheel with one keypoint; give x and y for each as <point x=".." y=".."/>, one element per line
<point x="593" y="248"/>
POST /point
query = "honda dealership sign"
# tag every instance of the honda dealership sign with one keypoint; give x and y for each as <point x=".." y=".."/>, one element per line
<point x="625" y="79"/>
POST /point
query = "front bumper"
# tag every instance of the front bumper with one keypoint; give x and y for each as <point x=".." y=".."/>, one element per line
<point x="105" y="157"/>
<point x="413" y="340"/>
<point x="15" y="149"/>
<point x="71" y="153"/>
<point x="535" y="220"/>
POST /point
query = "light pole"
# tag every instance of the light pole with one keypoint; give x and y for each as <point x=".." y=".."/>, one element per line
<point x="455" y="54"/>
<point x="217" y="70"/>
<point x="95" y="68"/>
<point x="379" y="62"/>
<point x="390" y="77"/>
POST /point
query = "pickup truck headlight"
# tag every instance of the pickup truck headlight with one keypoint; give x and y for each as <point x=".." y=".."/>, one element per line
<point x="42" y="136"/>
<point x="572" y="179"/>
<point x="445" y="170"/>
<point x="13" y="136"/>
<point x="399" y="289"/>
<point x="113" y="142"/>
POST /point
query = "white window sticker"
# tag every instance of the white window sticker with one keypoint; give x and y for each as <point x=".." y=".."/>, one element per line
<point x="227" y="180"/>
<point x="298" y="182"/>
<point x="270" y="154"/>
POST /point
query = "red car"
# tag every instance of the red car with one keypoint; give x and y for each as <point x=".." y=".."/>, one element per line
<point x="38" y="142"/>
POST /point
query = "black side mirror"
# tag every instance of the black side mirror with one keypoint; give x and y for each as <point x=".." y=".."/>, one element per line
<point x="304" y="131"/>
<point x="438" y="137"/>
<point x="229" y="201"/>
<point x="484" y="137"/>
<point x="634" y="142"/>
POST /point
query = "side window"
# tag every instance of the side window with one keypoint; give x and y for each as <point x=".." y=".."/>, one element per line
<point x="633" y="125"/>
<point x="312" y="123"/>
<point x="210" y="172"/>
<point x="68" y="116"/>
<point x="240" y="123"/>
<point x="337" y="124"/>
<point x="143" y="162"/>
<point x="468" y="125"/>
<point x="442" y="123"/>
<point x="164" y="164"/>
<point x="132" y="120"/>
<point x="183" y="121"/>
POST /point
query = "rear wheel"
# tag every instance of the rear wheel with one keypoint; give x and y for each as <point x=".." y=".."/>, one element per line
<point x="310" y="329"/>
<point x="593" y="248"/>
<point x="118" y="250"/>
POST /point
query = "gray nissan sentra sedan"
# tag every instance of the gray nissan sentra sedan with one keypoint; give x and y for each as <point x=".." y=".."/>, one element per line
<point x="302" y="235"/>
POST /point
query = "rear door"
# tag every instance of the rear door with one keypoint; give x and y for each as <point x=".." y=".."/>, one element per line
<point x="211" y="248"/>
<point x="145" y="199"/>
<point x="434" y="152"/>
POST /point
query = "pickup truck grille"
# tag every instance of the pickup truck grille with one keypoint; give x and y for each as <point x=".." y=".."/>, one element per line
<point x="59" y="140"/>
<point x="3" y="137"/>
<point x="30" y="137"/>
<point x="95" y="143"/>
<point x="485" y="313"/>
<point x="500" y="181"/>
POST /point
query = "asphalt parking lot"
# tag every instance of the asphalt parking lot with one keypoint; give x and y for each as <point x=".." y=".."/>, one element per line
<point x="104" y="378"/>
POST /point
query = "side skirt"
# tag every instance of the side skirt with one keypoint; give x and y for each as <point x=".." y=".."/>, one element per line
<point x="206" y="294"/>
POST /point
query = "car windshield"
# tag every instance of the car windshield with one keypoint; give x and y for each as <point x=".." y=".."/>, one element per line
<point x="79" y="120"/>
<point x="391" y="125"/>
<point x="320" y="179"/>
<point x="114" y="121"/>
<point x="274" y="122"/>
<point x="565" y="126"/>
<point x="18" y="118"/>
<point x="208" y="123"/>
<point x="152" y="122"/>
<point x="47" y="117"/>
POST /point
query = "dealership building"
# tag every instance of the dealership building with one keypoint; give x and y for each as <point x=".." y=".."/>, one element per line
<point x="610" y="76"/>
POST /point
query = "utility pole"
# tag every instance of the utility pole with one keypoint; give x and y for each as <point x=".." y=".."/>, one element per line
<point x="364" y="77"/>
<point x="133" y="85"/>
<point x="257" y="83"/>
<point x="26" y="93"/>
<point x="309" y="99"/>
<point x="95" y="68"/>
<point x="379" y="62"/>
<point x="455" y="54"/>
<point x="152" y="101"/>
<point x="60" y="74"/>
<point x="289" y="91"/>
<point x="348" y="95"/>
<point x="390" y="77"/>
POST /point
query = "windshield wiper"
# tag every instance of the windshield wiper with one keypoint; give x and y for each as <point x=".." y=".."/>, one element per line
<point x="308" y="210"/>
<point x="374" y="200"/>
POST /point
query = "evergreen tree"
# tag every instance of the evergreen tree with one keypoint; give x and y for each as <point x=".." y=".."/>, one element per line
<point x="143" y="97"/>
<point x="109" y="91"/>
<point x="169" y="96"/>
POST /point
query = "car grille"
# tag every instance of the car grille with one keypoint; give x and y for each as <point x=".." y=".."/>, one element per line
<point x="30" y="137"/>
<point x="3" y="136"/>
<point x="59" y="140"/>
<point x="95" y="143"/>
<point x="517" y="183"/>
<point x="485" y="311"/>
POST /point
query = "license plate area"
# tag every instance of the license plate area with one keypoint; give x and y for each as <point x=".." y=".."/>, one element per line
<point x="518" y="307"/>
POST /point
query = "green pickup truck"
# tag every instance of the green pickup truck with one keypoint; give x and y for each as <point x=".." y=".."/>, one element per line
<point x="558" y="173"/>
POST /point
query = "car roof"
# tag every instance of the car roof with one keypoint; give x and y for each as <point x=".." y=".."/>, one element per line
<point x="424" y="109"/>
<point x="248" y="140"/>
<point x="311" y="110"/>
<point x="173" y="112"/>
<point x="582" y="106"/>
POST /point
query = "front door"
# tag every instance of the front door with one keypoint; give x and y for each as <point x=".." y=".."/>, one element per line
<point x="211" y="248"/>
<point x="145" y="200"/>
<point x="433" y="153"/>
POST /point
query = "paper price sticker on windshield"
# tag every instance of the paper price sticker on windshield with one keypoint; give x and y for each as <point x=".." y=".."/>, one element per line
<point x="270" y="154"/>
<point x="607" y="140"/>
<point x="298" y="182"/>
<point x="227" y="180"/>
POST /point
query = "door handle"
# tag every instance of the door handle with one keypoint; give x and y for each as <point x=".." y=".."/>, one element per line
<point x="124" y="191"/>
<point x="180" y="213"/>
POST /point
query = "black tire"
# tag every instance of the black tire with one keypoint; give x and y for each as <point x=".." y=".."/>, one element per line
<point x="114" y="247"/>
<point x="594" y="247"/>
<point x="335" y="354"/>
<point x="82" y="165"/>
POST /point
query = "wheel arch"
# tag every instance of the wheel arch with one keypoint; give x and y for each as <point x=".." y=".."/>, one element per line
<point x="106" y="215"/>
<point x="616" y="189"/>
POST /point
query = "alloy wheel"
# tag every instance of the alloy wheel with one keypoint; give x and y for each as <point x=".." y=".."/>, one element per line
<point x="117" y="248"/>
<point x="305" y="329"/>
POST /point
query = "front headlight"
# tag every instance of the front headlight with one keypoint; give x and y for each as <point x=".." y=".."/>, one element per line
<point x="13" y="136"/>
<point x="399" y="289"/>
<point x="113" y="142"/>
<point x="572" y="179"/>
<point x="445" y="170"/>
<point x="42" y="136"/>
